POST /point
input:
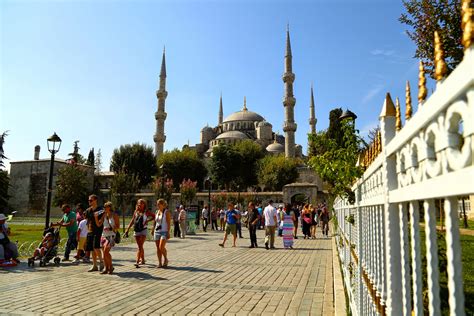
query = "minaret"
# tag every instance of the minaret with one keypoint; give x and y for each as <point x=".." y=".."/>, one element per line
<point x="221" y="111"/>
<point x="289" y="126"/>
<point x="160" y="115"/>
<point x="312" y="116"/>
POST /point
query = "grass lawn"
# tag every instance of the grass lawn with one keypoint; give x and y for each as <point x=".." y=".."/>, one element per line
<point x="467" y="257"/>
<point x="470" y="224"/>
<point x="30" y="232"/>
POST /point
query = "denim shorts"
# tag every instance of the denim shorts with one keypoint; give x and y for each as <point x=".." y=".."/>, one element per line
<point x="160" y="235"/>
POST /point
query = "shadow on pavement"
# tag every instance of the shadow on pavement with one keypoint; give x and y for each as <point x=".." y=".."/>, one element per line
<point x="193" y="269"/>
<point x="138" y="275"/>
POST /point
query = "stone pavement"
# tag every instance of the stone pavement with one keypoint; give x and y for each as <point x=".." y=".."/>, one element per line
<point x="202" y="279"/>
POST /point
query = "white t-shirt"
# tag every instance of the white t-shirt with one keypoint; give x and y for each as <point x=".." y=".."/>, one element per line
<point x="83" y="227"/>
<point x="270" y="213"/>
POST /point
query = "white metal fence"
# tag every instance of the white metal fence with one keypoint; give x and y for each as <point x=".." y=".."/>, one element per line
<point x="411" y="172"/>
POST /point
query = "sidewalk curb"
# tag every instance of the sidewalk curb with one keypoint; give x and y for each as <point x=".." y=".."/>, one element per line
<point x="339" y="293"/>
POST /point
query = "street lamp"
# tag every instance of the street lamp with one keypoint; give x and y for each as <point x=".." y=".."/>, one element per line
<point x="53" y="141"/>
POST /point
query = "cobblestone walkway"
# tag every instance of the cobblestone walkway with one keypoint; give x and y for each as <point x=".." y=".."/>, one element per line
<point x="202" y="279"/>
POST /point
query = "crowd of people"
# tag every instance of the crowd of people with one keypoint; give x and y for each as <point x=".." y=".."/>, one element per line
<point x="94" y="231"/>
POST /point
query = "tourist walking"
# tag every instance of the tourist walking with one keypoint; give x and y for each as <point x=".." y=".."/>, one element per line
<point x="111" y="223"/>
<point x="253" y="222"/>
<point x="306" y="221"/>
<point x="183" y="217"/>
<point x="161" y="228"/>
<point x="281" y="214"/>
<point x="214" y="216"/>
<point x="288" y="223"/>
<point x="205" y="217"/>
<point x="69" y="221"/>
<point x="325" y="220"/>
<point x="176" y="230"/>
<point x="81" y="242"/>
<point x="295" y="223"/>
<point x="314" y="221"/>
<point x="231" y="217"/>
<point x="79" y="213"/>
<point x="94" y="232"/>
<point x="140" y="222"/>
<point x="222" y="218"/>
<point x="239" y="221"/>
<point x="270" y="215"/>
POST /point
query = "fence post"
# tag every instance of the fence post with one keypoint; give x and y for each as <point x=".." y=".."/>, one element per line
<point x="391" y="213"/>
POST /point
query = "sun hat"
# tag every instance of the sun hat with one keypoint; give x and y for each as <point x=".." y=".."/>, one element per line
<point x="2" y="217"/>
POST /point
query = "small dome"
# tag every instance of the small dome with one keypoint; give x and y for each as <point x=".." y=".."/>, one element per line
<point x="232" y="135"/>
<point x="276" y="148"/>
<point x="264" y="123"/>
<point x="206" y="128"/>
<point x="244" y="116"/>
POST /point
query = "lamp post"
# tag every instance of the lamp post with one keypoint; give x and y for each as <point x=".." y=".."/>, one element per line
<point x="53" y="141"/>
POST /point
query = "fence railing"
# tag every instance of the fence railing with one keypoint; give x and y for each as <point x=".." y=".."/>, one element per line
<point x="418" y="170"/>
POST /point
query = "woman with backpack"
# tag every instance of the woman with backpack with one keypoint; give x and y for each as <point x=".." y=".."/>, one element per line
<point x="139" y="222"/>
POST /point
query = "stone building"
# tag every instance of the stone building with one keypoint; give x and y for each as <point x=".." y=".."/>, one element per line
<point x="29" y="183"/>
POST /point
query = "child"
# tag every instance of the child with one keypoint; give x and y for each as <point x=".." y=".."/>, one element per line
<point x="46" y="244"/>
<point x="81" y="245"/>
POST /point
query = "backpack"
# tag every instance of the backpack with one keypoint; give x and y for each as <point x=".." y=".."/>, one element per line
<point x="139" y="225"/>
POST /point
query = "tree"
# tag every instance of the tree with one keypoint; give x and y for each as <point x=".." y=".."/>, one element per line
<point x="91" y="158"/>
<point x="188" y="190"/>
<point x="122" y="188"/>
<point x="98" y="162"/>
<point x="71" y="185"/>
<point x="76" y="157"/>
<point x="334" y="130"/>
<point x="427" y="16"/>
<point x="276" y="171"/>
<point x="337" y="165"/>
<point x="4" y="178"/>
<point x="163" y="188"/>
<point x="223" y="164"/>
<point x="182" y="164"/>
<point x="135" y="160"/>
<point x="250" y="153"/>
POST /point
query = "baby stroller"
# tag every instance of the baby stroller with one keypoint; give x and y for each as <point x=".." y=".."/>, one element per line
<point x="51" y="252"/>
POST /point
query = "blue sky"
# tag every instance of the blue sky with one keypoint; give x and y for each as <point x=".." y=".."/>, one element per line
<point x="88" y="70"/>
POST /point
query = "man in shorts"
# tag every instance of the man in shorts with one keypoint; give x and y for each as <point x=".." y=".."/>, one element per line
<point x="94" y="233"/>
<point x="231" y="217"/>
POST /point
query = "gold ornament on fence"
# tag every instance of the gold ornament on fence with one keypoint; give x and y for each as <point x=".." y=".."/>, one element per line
<point x="408" y="110"/>
<point x="440" y="65"/>
<point x="422" y="92"/>
<point x="467" y="23"/>
<point x="398" y="117"/>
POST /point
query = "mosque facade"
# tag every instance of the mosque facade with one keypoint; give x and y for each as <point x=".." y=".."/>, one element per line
<point x="244" y="124"/>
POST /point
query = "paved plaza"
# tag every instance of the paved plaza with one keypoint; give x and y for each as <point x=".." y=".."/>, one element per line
<point x="202" y="279"/>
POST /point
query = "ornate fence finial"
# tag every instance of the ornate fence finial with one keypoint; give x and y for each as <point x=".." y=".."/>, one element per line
<point x="440" y="65"/>
<point x="379" y="141"/>
<point x="398" y="117"/>
<point x="467" y="24"/>
<point x="422" y="92"/>
<point x="408" y="110"/>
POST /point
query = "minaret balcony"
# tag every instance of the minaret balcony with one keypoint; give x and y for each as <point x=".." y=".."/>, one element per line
<point x="288" y="77"/>
<point x="161" y="94"/>
<point x="160" y="115"/>
<point x="289" y="101"/>
<point x="289" y="127"/>
<point x="159" y="138"/>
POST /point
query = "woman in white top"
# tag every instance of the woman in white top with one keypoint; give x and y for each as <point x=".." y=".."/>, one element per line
<point x="111" y="223"/>
<point x="161" y="229"/>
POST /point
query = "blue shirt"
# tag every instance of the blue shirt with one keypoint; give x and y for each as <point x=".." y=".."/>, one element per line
<point x="231" y="219"/>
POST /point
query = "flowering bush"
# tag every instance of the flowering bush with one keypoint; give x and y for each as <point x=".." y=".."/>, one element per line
<point x="188" y="189"/>
<point x="163" y="188"/>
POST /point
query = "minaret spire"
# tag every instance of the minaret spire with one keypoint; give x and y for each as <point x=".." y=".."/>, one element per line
<point x="245" y="104"/>
<point x="160" y="115"/>
<point x="221" y="111"/>
<point x="312" y="116"/>
<point x="289" y="126"/>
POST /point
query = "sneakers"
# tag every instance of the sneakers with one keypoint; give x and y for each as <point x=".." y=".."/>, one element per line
<point x="92" y="269"/>
<point x="222" y="245"/>
<point x="86" y="260"/>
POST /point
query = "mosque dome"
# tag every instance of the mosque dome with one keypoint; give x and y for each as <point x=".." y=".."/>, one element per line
<point x="232" y="135"/>
<point x="275" y="148"/>
<point x="206" y="128"/>
<point x="244" y="116"/>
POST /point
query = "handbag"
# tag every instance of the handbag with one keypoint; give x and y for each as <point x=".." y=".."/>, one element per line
<point x="117" y="238"/>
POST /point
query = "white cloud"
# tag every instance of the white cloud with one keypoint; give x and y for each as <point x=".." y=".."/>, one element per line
<point x="372" y="93"/>
<point x="382" y="52"/>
